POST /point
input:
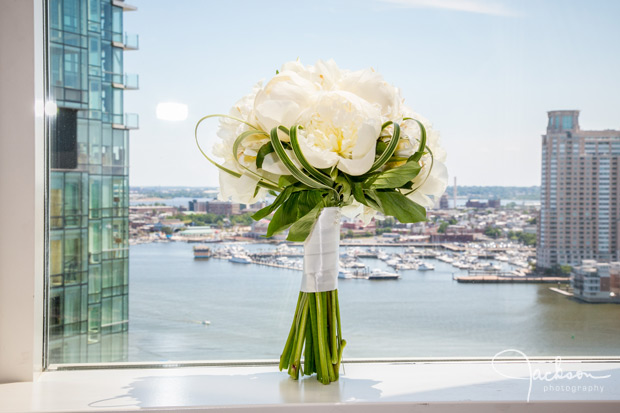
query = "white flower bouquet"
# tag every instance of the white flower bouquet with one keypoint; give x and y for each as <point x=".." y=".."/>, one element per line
<point x="323" y="140"/>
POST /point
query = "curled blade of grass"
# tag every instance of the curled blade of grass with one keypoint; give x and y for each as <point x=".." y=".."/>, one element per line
<point x="427" y="175"/>
<point x="221" y="167"/>
<point x="318" y="175"/>
<point x="418" y="154"/>
<point x="296" y="172"/>
<point x="236" y="146"/>
<point x="233" y="173"/>
<point x="391" y="148"/>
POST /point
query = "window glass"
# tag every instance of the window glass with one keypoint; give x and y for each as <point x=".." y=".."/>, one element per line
<point x="121" y="233"/>
<point x="72" y="68"/>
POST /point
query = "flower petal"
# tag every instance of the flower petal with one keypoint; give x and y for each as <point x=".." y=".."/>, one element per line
<point x="367" y="138"/>
<point x="273" y="164"/>
<point x="357" y="167"/>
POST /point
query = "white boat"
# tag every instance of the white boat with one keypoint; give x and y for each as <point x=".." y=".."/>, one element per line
<point x="405" y="266"/>
<point x="425" y="267"/>
<point x="378" y="274"/>
<point x="345" y="274"/>
<point x="393" y="262"/>
<point x="352" y="263"/>
<point x="241" y="259"/>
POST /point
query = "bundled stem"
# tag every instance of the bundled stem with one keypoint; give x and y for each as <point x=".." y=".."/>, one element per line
<point x="316" y="333"/>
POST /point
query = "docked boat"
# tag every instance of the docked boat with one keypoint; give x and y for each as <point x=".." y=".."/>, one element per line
<point x="240" y="259"/>
<point x="425" y="267"/>
<point x="379" y="274"/>
<point x="382" y="255"/>
<point x="405" y="266"/>
<point x="202" y="252"/>
<point x="345" y="274"/>
<point x="352" y="263"/>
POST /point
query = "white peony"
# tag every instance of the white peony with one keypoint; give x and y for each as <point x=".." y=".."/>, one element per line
<point x="340" y="113"/>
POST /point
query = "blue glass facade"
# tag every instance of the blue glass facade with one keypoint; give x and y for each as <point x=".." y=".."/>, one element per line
<point x="88" y="182"/>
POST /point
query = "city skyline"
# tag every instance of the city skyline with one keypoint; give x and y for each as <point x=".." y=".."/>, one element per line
<point x="485" y="77"/>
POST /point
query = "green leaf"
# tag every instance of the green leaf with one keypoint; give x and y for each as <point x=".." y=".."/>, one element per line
<point x="286" y="180"/>
<point x="264" y="150"/>
<point x="285" y="216"/>
<point x="300" y="230"/>
<point x="394" y="178"/>
<point x="308" y="200"/>
<point x="262" y="213"/>
<point x="400" y="207"/>
<point x="333" y="173"/>
<point x="358" y="193"/>
<point x="372" y="200"/>
<point x="381" y="147"/>
<point x="343" y="188"/>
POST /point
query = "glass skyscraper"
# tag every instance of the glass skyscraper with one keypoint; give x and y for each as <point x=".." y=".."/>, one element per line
<point x="88" y="181"/>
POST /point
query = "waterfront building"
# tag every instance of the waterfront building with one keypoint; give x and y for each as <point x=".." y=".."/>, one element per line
<point x="223" y="208"/>
<point x="596" y="282"/>
<point x="475" y="203"/>
<point x="198" y="206"/>
<point x="494" y="203"/>
<point x="88" y="181"/>
<point x="579" y="215"/>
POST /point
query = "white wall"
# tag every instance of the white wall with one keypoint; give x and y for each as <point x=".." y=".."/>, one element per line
<point x="21" y="189"/>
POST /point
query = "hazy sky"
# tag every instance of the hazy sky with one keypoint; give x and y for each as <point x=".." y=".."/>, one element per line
<point x="484" y="72"/>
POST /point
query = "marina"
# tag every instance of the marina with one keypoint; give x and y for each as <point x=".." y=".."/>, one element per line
<point x="484" y="263"/>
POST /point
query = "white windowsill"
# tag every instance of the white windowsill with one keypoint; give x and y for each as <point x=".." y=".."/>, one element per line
<point x="435" y="386"/>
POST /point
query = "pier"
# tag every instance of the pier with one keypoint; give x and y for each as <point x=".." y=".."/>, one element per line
<point x="517" y="279"/>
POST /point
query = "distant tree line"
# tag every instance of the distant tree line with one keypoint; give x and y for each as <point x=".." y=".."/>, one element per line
<point x="525" y="238"/>
<point x="173" y="192"/>
<point x="522" y="193"/>
<point x="201" y="220"/>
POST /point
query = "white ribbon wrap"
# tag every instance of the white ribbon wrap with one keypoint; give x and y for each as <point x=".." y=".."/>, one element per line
<point x="321" y="253"/>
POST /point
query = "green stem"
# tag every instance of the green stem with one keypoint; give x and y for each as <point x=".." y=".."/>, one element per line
<point x="338" y="315"/>
<point x="343" y="343"/>
<point x="321" y="339"/>
<point x="298" y="314"/>
<point x="284" y="358"/>
<point x="301" y="333"/>
<point x="315" y="334"/>
<point x="333" y="323"/>
<point x="330" y="368"/>
<point x="309" y="350"/>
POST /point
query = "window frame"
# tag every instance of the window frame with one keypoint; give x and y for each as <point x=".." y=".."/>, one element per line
<point x="23" y="181"/>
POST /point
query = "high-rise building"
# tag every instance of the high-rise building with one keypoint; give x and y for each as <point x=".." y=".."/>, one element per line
<point x="579" y="215"/>
<point x="88" y="181"/>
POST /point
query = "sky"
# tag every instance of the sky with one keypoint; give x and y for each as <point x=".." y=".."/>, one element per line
<point x="485" y="72"/>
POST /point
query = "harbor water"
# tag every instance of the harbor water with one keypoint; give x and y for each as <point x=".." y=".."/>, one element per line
<point x="186" y="309"/>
